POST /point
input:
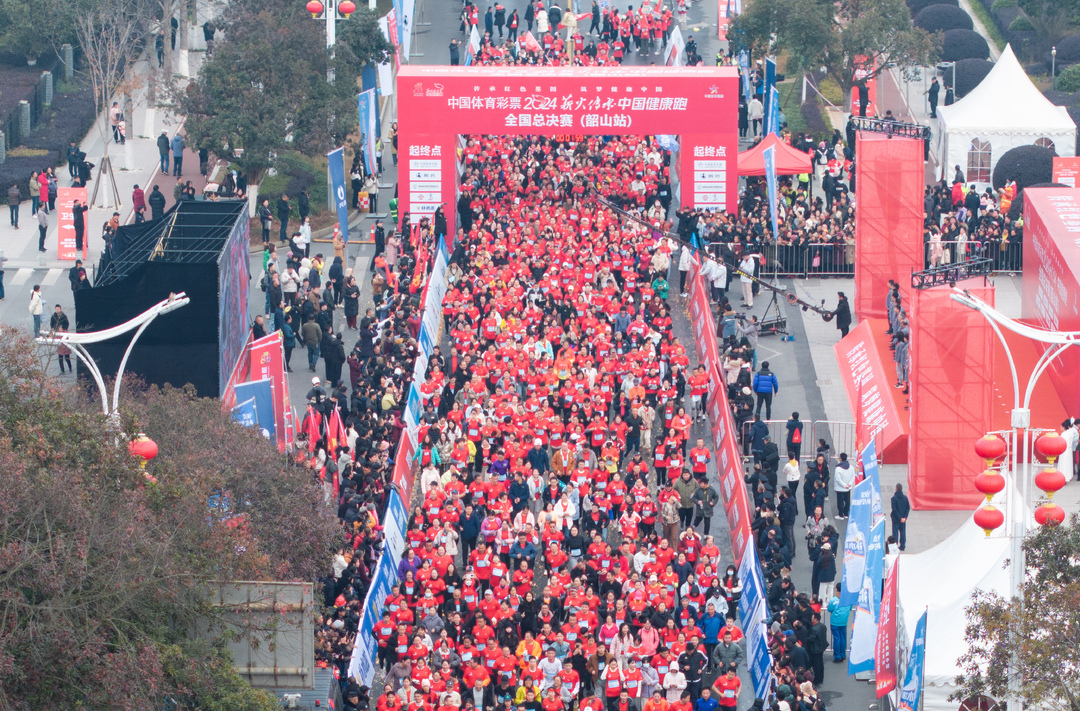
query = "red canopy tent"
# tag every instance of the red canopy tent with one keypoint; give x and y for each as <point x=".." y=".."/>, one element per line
<point x="788" y="160"/>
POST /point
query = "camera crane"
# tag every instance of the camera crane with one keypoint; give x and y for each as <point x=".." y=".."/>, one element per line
<point x="777" y="323"/>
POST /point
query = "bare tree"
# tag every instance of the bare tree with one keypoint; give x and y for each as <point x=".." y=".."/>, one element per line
<point x="109" y="35"/>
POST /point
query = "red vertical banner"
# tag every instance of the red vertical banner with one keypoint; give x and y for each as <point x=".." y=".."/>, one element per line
<point x="65" y="232"/>
<point x="885" y="649"/>
<point x="889" y="222"/>
<point x="268" y="361"/>
<point x="863" y="67"/>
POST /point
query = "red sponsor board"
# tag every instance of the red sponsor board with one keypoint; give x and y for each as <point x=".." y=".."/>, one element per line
<point x="726" y="445"/>
<point x="1051" y="288"/>
<point x="404" y="474"/>
<point x="65" y="232"/>
<point x="862" y="69"/>
<point x="268" y="361"/>
<point x="1066" y="170"/>
<point x="438" y="103"/>
<point x="885" y="648"/>
<point x="241" y="374"/>
<point x="869" y="385"/>
<point x="889" y="222"/>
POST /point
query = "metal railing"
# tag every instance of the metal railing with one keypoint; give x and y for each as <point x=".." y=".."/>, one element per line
<point x="807" y="261"/>
<point x="840" y="436"/>
<point x="1005" y="256"/>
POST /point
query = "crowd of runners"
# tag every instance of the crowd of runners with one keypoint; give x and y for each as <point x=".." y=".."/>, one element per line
<point x="559" y="550"/>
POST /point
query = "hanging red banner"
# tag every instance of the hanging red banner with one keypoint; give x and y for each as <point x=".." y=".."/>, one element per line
<point x="268" y="361"/>
<point x="885" y="650"/>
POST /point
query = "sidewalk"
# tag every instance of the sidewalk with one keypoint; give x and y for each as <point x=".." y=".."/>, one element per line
<point x="20" y="246"/>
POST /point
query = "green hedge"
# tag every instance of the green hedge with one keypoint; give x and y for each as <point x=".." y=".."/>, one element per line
<point x="1068" y="79"/>
<point x="1021" y="24"/>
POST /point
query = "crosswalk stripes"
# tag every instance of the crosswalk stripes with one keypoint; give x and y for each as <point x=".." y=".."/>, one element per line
<point x="51" y="277"/>
<point x="21" y="276"/>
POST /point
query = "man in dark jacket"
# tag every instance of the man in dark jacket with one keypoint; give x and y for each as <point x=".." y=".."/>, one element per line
<point x="816" y="645"/>
<point x="901" y="507"/>
<point x="788" y="513"/>
<point x="538" y="457"/>
<point x="705" y="499"/>
<point x="758" y="432"/>
<point x="156" y="201"/>
<point x="163" y="153"/>
<point x="770" y="458"/>
<point x="842" y="314"/>
<point x="765" y="385"/>
<point x="469" y="526"/>
<point x="283" y="215"/>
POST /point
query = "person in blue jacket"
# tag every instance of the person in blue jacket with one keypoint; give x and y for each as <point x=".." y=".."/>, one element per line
<point x="710" y="624"/>
<point x="838" y="623"/>
<point x="765" y="385"/>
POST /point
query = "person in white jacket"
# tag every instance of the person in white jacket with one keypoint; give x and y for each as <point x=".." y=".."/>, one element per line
<point x="674" y="683"/>
<point x="792" y="475"/>
<point x="843" y="481"/>
<point x="718" y="277"/>
<point x="684" y="269"/>
<point x="37" y="308"/>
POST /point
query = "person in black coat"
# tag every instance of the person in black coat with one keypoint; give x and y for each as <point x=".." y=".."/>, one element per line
<point x="901" y="509"/>
<point x="333" y="353"/>
<point x="156" y="201"/>
<point x="842" y="314"/>
<point x="79" y="220"/>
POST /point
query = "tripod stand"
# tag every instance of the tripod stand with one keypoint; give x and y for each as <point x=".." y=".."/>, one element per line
<point x="773" y="322"/>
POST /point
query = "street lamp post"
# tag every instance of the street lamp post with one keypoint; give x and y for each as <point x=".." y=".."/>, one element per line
<point x="330" y="13"/>
<point x="1053" y="65"/>
<point x="77" y="343"/>
<point x="1056" y="342"/>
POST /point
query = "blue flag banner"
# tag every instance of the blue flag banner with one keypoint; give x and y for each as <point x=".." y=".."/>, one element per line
<point x="335" y="162"/>
<point x="770" y="80"/>
<point x="913" y="680"/>
<point x="864" y="631"/>
<point x="262" y="391"/>
<point x="368" y="110"/>
<point x="244" y="413"/>
<point x="752" y="613"/>
<point x="870" y="472"/>
<point x="744" y="68"/>
<point x="856" y="540"/>
<point x="769" y="156"/>
<point x="772" y="118"/>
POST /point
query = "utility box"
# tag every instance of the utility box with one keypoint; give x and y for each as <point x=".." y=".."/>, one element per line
<point x="274" y="626"/>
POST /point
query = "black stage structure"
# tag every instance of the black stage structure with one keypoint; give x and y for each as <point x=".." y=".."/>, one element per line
<point x="198" y="247"/>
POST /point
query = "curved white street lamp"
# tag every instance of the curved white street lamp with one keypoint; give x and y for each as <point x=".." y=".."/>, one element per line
<point x="1057" y="342"/>
<point x="77" y="342"/>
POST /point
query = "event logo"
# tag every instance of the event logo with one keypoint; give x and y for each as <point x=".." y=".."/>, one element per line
<point x="435" y="90"/>
<point x="856" y="546"/>
<point x="714" y="92"/>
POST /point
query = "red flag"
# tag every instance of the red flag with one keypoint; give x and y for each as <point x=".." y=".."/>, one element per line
<point x="530" y="42"/>
<point x="885" y="648"/>
<point x="312" y="427"/>
<point x="335" y="433"/>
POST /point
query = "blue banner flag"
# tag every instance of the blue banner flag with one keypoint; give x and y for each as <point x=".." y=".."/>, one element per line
<point x="262" y="391"/>
<point x="856" y="540"/>
<point x="769" y="156"/>
<point x="244" y="413"/>
<point x="913" y="680"/>
<point x="335" y="161"/>
<point x="770" y="81"/>
<point x="864" y="631"/>
<point x="772" y="118"/>
<point x="752" y="612"/>
<point x="744" y="69"/>
<point x="368" y="107"/>
<point x="870" y="473"/>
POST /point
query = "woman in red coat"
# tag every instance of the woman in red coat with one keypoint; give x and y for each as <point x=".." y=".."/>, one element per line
<point x="43" y="190"/>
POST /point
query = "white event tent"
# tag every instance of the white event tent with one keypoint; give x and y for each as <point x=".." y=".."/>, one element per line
<point x="1004" y="111"/>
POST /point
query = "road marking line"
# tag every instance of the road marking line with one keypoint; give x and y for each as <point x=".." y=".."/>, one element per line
<point x="21" y="276"/>
<point x="52" y="277"/>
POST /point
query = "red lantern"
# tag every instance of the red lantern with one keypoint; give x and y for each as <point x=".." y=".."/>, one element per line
<point x="989" y="483"/>
<point x="1050" y="480"/>
<point x="1049" y="515"/>
<point x="991" y="448"/>
<point x="988" y="518"/>
<point x="314" y="7"/>
<point x="1051" y="446"/>
<point x="144" y="448"/>
<point x="347" y="7"/>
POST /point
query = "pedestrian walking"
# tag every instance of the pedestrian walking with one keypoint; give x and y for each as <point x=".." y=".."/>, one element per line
<point x="843" y="481"/>
<point x="283" y="208"/>
<point x="455" y="52"/>
<point x="765" y="385"/>
<point x="78" y="219"/>
<point x="138" y="204"/>
<point x="705" y="499"/>
<point x="932" y="94"/>
<point x="794" y="437"/>
<point x="178" y="145"/>
<point x="43" y="228"/>
<point x="73" y="160"/>
<point x="842" y="314"/>
<point x="901" y="508"/>
<point x="37" y="308"/>
<point x="14" y="197"/>
<point x="838" y="623"/>
<point x="157" y="203"/>
<point x="163" y="153"/>
<point x="35" y="200"/>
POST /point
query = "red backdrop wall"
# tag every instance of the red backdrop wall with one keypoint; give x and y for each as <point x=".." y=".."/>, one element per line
<point x="952" y="367"/>
<point x="1051" y="288"/>
<point x="890" y="180"/>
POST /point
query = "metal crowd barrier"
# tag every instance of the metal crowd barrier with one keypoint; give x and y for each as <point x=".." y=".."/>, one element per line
<point x="840" y="436"/>
<point x="1006" y="256"/>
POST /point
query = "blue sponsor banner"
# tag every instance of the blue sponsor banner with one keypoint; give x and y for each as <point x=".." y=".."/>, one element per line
<point x="864" y="631"/>
<point x="913" y="680"/>
<point x="769" y="156"/>
<point x="856" y="540"/>
<point x="752" y="613"/>
<point x="744" y="68"/>
<point x="772" y="118"/>
<point x="870" y="472"/>
<point x="244" y="413"/>
<point x="262" y="392"/>
<point x="335" y="160"/>
<point x="368" y="108"/>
